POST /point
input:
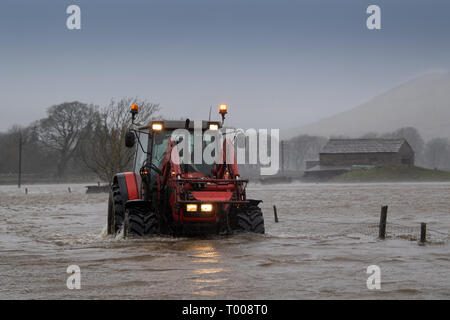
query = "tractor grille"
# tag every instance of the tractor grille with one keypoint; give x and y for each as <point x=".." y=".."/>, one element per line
<point x="199" y="214"/>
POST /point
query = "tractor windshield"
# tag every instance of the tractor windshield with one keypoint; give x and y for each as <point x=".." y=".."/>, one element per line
<point x="160" y="147"/>
<point x="141" y="155"/>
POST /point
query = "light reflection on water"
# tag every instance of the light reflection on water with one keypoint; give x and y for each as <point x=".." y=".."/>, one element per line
<point x="208" y="270"/>
<point x="204" y="253"/>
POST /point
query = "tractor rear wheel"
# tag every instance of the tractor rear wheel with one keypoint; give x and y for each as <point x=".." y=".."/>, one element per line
<point x="140" y="223"/>
<point x="250" y="219"/>
<point x="115" y="210"/>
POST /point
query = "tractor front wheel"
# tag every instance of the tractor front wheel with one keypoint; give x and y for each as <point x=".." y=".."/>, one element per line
<point x="115" y="210"/>
<point x="250" y="219"/>
<point x="139" y="222"/>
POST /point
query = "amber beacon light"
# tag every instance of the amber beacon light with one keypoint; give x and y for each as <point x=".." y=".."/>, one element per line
<point x="223" y="108"/>
<point x="134" y="109"/>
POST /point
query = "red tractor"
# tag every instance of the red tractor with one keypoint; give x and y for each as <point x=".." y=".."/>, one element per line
<point x="163" y="195"/>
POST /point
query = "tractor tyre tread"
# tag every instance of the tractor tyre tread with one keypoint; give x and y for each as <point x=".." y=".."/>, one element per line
<point x="251" y="219"/>
<point x="141" y="224"/>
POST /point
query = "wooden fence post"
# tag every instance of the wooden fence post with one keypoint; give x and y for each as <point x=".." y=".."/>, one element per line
<point x="423" y="232"/>
<point x="275" y="213"/>
<point x="382" y="226"/>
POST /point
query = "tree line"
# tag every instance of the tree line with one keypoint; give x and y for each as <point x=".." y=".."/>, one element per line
<point x="83" y="141"/>
<point x="75" y="139"/>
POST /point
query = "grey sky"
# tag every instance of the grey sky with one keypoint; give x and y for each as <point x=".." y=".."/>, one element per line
<point x="275" y="63"/>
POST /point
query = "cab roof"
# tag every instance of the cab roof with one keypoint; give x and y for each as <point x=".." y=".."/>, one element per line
<point x="180" y="124"/>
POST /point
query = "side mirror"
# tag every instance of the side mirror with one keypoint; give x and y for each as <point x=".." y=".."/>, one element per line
<point x="130" y="139"/>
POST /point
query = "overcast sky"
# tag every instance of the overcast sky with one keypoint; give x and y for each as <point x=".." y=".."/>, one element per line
<point x="277" y="64"/>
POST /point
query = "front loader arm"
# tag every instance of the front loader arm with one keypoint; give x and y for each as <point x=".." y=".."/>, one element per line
<point x="170" y="165"/>
<point x="226" y="161"/>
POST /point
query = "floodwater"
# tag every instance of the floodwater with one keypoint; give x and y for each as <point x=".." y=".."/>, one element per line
<point x="320" y="249"/>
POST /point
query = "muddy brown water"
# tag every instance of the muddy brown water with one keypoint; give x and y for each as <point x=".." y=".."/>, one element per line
<point x="320" y="249"/>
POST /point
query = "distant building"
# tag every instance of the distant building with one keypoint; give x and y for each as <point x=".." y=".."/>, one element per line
<point x="342" y="155"/>
<point x="376" y="152"/>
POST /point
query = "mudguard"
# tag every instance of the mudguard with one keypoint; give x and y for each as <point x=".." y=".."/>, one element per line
<point x="253" y="202"/>
<point x="129" y="184"/>
<point x="136" y="203"/>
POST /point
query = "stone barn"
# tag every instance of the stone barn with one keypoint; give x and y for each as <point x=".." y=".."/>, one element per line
<point x="375" y="152"/>
<point x="342" y="155"/>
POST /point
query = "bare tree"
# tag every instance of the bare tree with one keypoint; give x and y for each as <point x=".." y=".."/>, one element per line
<point x="303" y="148"/>
<point x="104" y="151"/>
<point x="64" y="129"/>
<point x="9" y="144"/>
<point x="36" y="159"/>
<point x="437" y="153"/>
<point x="414" y="138"/>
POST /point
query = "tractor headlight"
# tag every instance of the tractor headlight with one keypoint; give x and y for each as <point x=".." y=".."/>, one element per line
<point x="206" y="207"/>
<point x="191" y="207"/>
<point x="214" y="126"/>
<point x="157" y="126"/>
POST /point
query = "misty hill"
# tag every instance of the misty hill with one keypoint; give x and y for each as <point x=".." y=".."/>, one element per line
<point x="423" y="103"/>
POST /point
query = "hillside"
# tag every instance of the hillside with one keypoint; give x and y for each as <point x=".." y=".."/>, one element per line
<point x="423" y="103"/>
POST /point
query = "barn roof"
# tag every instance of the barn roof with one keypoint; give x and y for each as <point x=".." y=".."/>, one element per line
<point x="363" y="145"/>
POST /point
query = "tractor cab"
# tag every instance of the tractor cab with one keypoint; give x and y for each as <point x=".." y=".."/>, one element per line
<point x="155" y="138"/>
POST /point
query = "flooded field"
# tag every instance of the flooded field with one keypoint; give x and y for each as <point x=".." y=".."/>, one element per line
<point x="320" y="249"/>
